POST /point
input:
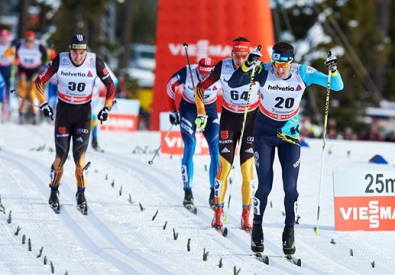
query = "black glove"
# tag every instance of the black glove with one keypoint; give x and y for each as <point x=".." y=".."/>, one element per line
<point x="252" y="59"/>
<point x="47" y="110"/>
<point x="103" y="114"/>
<point x="331" y="62"/>
<point x="174" y="118"/>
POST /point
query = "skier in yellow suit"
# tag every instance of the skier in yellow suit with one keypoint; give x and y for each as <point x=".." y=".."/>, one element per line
<point x="30" y="55"/>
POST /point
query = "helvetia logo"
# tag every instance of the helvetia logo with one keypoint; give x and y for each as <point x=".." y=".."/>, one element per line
<point x="279" y="88"/>
<point x="78" y="74"/>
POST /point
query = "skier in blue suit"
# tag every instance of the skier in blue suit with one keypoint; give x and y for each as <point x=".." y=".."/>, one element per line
<point x="282" y="83"/>
<point x="186" y="116"/>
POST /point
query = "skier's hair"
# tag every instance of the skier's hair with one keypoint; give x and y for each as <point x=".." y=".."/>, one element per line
<point x="241" y="38"/>
<point x="283" y="47"/>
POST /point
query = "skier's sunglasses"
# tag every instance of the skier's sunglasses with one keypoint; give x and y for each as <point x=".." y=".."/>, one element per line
<point x="240" y="55"/>
<point x="282" y="64"/>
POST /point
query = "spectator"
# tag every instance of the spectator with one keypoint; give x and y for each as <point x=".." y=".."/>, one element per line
<point x="349" y="134"/>
<point x="372" y="133"/>
<point x="390" y="137"/>
<point x="306" y="129"/>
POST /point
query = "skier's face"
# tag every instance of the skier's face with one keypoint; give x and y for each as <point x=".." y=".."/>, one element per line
<point x="29" y="43"/>
<point x="239" y="58"/>
<point x="282" y="69"/>
<point x="78" y="56"/>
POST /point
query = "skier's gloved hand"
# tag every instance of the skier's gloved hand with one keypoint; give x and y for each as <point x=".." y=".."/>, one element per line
<point x="252" y="60"/>
<point x="103" y="114"/>
<point x="47" y="110"/>
<point x="331" y="62"/>
<point x="201" y="122"/>
<point x="174" y="118"/>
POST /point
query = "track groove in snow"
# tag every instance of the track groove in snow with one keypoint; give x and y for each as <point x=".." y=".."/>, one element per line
<point x="117" y="237"/>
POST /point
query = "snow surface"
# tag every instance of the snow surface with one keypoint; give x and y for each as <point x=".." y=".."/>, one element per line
<point x="117" y="237"/>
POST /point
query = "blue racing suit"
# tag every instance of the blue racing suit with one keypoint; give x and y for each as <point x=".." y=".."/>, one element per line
<point x="188" y="113"/>
<point x="277" y="126"/>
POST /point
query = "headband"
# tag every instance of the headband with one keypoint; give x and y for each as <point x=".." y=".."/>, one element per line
<point x="280" y="56"/>
<point x="241" y="46"/>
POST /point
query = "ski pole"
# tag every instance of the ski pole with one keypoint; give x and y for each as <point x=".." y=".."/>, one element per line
<point x="189" y="64"/>
<point x="160" y="146"/>
<point x="13" y="91"/>
<point x="328" y="90"/>
<point x="252" y="75"/>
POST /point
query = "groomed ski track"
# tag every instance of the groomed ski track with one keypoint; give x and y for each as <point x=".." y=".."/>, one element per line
<point x="118" y="237"/>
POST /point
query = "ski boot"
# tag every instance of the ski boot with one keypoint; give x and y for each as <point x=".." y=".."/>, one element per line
<point x="81" y="203"/>
<point x="288" y="240"/>
<point x="245" y="219"/>
<point x="21" y="119"/>
<point x="54" y="200"/>
<point x="35" y="119"/>
<point x="217" y="219"/>
<point x="257" y="239"/>
<point x="95" y="144"/>
<point x="188" y="198"/>
<point x="188" y="201"/>
<point x="211" y="198"/>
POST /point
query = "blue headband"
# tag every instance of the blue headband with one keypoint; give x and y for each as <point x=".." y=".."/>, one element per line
<point x="279" y="56"/>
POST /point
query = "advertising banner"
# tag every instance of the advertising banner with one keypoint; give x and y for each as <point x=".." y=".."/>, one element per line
<point x="173" y="144"/>
<point x="207" y="28"/>
<point x="124" y="116"/>
<point x="364" y="200"/>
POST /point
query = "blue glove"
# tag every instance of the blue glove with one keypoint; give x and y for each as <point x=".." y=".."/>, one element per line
<point x="47" y="110"/>
<point x="174" y="118"/>
<point x="201" y="122"/>
<point x="103" y="114"/>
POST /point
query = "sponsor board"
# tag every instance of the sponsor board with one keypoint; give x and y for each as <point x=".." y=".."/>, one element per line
<point x="124" y="115"/>
<point x="173" y="143"/>
<point x="364" y="200"/>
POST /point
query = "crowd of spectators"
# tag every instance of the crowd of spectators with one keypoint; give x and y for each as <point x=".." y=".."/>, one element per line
<point x="373" y="132"/>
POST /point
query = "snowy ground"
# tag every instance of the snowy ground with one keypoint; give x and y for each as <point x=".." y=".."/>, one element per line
<point x="118" y="237"/>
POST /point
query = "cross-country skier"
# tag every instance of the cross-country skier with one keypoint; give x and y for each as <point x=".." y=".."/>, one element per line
<point x="77" y="71"/>
<point x="31" y="55"/>
<point x="233" y="116"/>
<point x="186" y="115"/>
<point x="282" y="83"/>
<point x="6" y="65"/>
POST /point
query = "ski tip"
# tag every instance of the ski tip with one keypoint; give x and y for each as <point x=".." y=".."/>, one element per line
<point x="225" y="232"/>
<point x="262" y="258"/>
<point x="56" y="209"/>
<point x="191" y="209"/>
<point x="299" y="262"/>
<point x="293" y="260"/>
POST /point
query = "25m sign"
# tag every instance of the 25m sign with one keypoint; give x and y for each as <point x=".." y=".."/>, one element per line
<point x="364" y="200"/>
